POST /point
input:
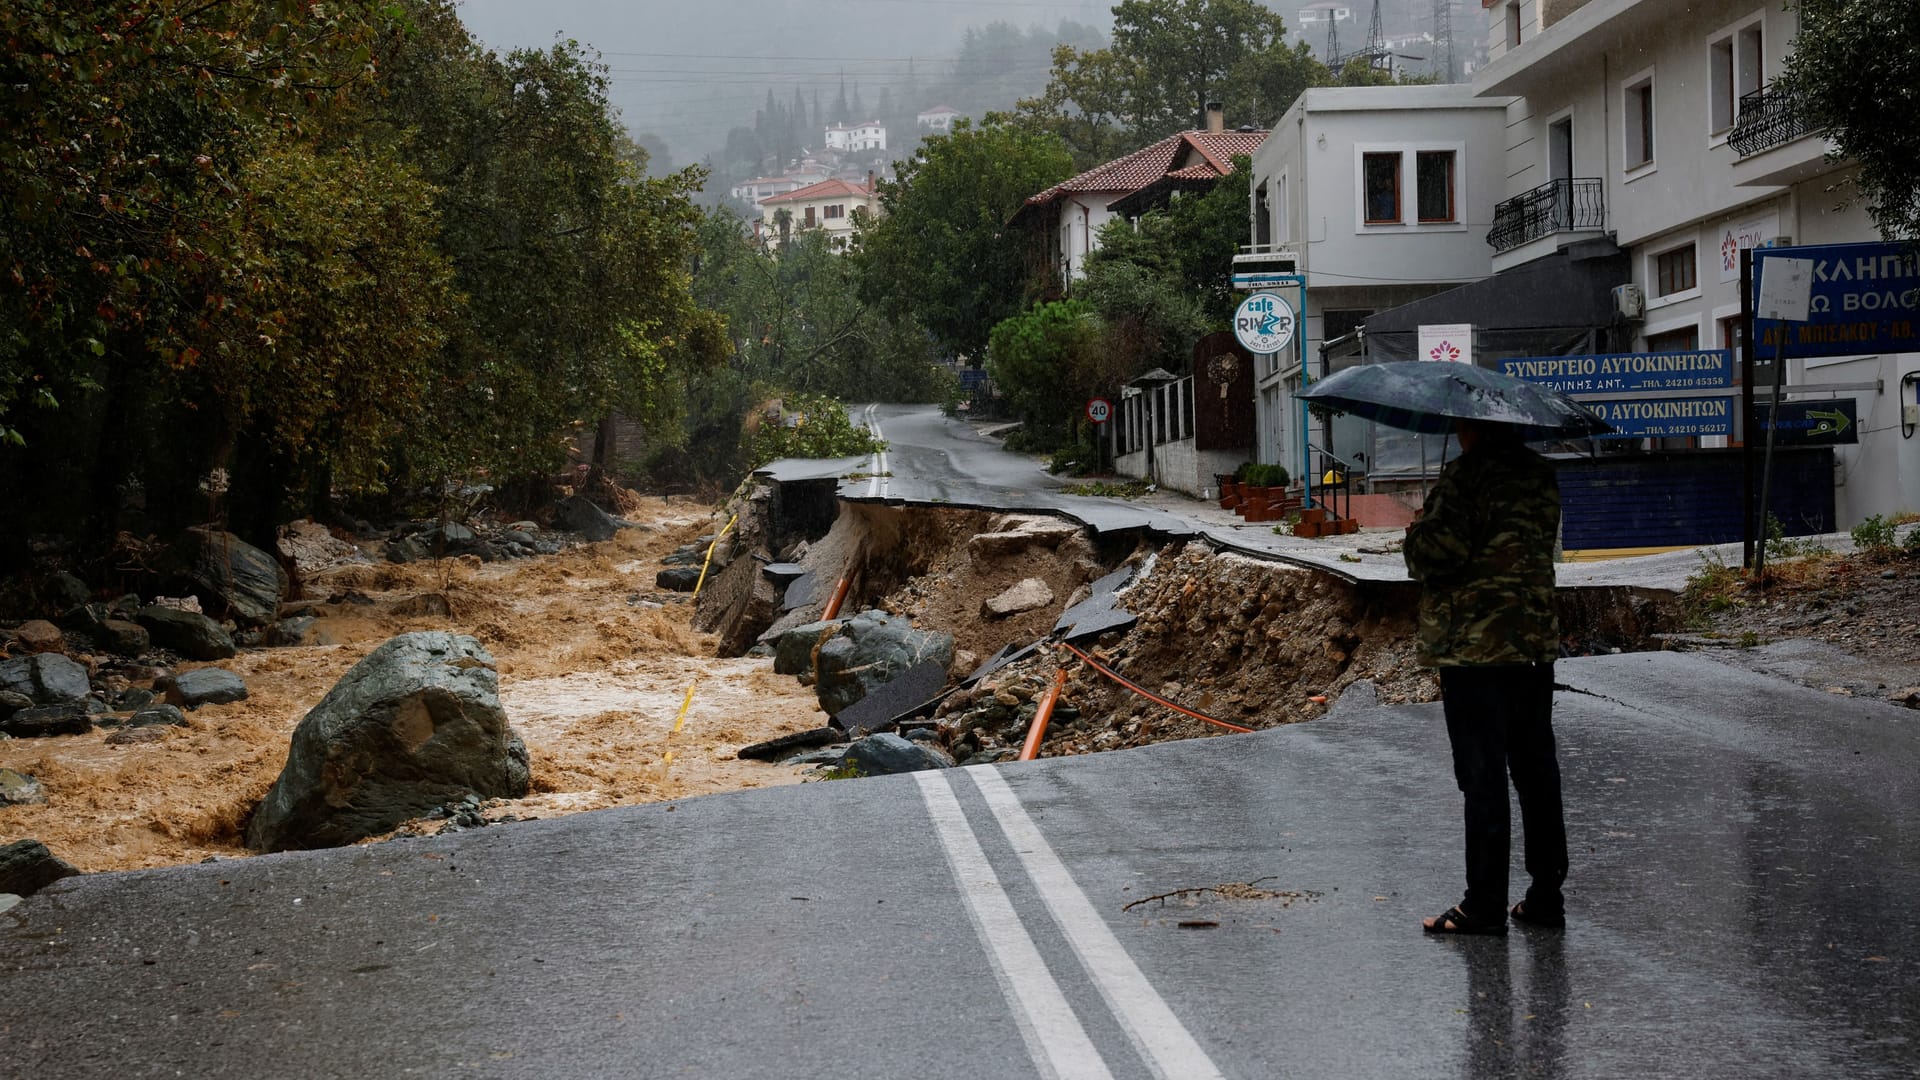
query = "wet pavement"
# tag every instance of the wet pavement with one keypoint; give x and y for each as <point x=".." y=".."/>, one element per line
<point x="1745" y="857"/>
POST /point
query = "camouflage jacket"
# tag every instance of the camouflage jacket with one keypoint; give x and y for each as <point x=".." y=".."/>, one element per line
<point x="1483" y="554"/>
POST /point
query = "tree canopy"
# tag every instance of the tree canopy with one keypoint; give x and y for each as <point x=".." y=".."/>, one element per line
<point x="1855" y="75"/>
<point x="943" y="251"/>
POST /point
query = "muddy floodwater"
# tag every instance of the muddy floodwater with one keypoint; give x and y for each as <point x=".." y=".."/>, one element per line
<point x="594" y="663"/>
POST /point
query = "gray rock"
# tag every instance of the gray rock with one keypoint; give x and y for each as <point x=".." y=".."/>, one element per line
<point x="793" y="653"/>
<point x="26" y="867"/>
<point x="425" y="606"/>
<point x="158" y="716"/>
<point x="831" y="755"/>
<point x="204" y="686"/>
<point x="188" y="633"/>
<point x="415" y="725"/>
<point x="123" y="638"/>
<point x="871" y="650"/>
<point x="45" y="678"/>
<point x="1025" y="596"/>
<point x="152" y="733"/>
<point x="292" y="631"/>
<point x="517" y="536"/>
<point x="889" y="753"/>
<point x="135" y="697"/>
<point x="12" y="701"/>
<point x="232" y="576"/>
<point x="42" y="721"/>
<point x="67" y="591"/>
<point x="687" y="555"/>
<point x="19" y="789"/>
<point x="678" y="578"/>
<point x="577" y="513"/>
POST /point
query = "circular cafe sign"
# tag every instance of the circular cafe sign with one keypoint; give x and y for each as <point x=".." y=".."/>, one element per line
<point x="1264" y="323"/>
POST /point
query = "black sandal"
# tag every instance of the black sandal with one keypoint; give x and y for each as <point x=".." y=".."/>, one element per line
<point x="1455" y="921"/>
<point x="1555" y="921"/>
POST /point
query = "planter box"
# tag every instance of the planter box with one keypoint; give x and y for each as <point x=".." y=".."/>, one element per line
<point x="1308" y="529"/>
<point x="1313" y="515"/>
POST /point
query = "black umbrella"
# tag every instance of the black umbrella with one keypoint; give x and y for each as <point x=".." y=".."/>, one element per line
<point x="1427" y="396"/>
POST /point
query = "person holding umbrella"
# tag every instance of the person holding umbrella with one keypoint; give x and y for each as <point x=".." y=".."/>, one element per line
<point x="1482" y="550"/>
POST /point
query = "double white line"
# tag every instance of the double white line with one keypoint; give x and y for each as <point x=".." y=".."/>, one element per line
<point x="877" y="467"/>
<point x="1055" y="1038"/>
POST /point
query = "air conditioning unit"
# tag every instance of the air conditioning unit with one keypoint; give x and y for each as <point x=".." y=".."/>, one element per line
<point x="1630" y="301"/>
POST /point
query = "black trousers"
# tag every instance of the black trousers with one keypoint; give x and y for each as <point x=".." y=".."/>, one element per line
<point x="1500" y="721"/>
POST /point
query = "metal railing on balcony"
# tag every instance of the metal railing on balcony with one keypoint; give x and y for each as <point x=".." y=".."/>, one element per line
<point x="1555" y="206"/>
<point x="1769" y="117"/>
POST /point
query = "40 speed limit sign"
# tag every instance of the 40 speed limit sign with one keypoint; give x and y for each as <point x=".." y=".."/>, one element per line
<point x="1099" y="410"/>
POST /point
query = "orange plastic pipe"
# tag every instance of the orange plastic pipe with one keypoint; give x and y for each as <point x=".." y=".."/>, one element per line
<point x="1039" y="729"/>
<point x="839" y="597"/>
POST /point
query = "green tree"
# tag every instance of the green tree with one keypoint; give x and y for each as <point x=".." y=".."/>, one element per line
<point x="942" y="251"/>
<point x="1855" y="75"/>
<point x="1040" y="358"/>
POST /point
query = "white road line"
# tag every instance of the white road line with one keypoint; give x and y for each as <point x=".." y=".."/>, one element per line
<point x="1163" y="1041"/>
<point x="1055" y="1040"/>
<point x="878" y="466"/>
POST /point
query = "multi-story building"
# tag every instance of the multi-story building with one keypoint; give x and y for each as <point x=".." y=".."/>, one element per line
<point x="940" y="118"/>
<point x="1656" y="127"/>
<point x="856" y="138"/>
<point x="1383" y="195"/>
<point x="828" y="206"/>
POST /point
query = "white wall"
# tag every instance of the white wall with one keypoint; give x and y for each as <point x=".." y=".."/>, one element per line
<point x="1082" y="215"/>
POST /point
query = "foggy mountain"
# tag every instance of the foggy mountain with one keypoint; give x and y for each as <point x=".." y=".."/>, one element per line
<point x="687" y="72"/>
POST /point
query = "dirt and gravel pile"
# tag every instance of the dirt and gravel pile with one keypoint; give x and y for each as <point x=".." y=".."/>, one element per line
<point x="594" y="666"/>
<point x="1253" y="643"/>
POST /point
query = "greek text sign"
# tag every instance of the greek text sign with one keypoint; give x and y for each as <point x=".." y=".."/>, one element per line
<point x="1813" y="423"/>
<point x="1264" y="323"/>
<point x="1865" y="298"/>
<point x="1663" y="418"/>
<point x="1628" y="373"/>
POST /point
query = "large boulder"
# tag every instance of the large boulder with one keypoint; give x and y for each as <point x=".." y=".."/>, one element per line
<point x="415" y="725"/>
<point x="871" y="650"/>
<point x="202" y="686"/>
<point x="577" y="513"/>
<point x="233" y="577"/>
<point x="793" y="654"/>
<point x="889" y="753"/>
<point x="19" y="789"/>
<point x="1027" y="595"/>
<point x="44" y="721"/>
<point x="38" y="635"/>
<point x="26" y="867"/>
<point x="188" y="633"/>
<point x="45" y="678"/>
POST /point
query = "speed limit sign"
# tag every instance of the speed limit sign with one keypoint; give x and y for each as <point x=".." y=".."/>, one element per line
<point x="1099" y="410"/>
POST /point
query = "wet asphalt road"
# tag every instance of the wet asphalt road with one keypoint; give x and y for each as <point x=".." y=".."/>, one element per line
<point x="1746" y="853"/>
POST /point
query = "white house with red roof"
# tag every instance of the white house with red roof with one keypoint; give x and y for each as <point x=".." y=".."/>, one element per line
<point x="1073" y="211"/>
<point x="828" y="206"/>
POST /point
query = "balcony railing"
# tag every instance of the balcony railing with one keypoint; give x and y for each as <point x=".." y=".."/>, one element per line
<point x="1768" y="117"/>
<point x="1555" y="206"/>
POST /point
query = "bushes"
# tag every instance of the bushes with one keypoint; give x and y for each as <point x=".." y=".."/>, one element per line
<point x="1258" y="475"/>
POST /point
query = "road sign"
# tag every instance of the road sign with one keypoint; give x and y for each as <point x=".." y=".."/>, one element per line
<point x="1264" y="323"/>
<point x="1099" y="410"/>
<point x="1814" y="423"/>
<point x="1865" y="298"/>
<point x="1786" y="290"/>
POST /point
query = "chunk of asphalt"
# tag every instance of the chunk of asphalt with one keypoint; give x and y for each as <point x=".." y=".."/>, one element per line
<point x="1095" y="625"/>
<point x="773" y="748"/>
<point x="903" y="696"/>
<point x="1008" y="654"/>
<point x="1094" y="606"/>
<point x="799" y="592"/>
<point x="1113" y="582"/>
<point x="784" y="571"/>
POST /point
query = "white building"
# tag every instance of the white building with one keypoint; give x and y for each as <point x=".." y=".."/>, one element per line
<point x="828" y="206"/>
<point x="1654" y="124"/>
<point x="1383" y="194"/>
<point x="761" y="187"/>
<point x="856" y="138"/>
<point x="1315" y="18"/>
<point x="940" y="118"/>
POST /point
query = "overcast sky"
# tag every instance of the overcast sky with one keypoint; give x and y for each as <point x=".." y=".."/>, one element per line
<point x="688" y="70"/>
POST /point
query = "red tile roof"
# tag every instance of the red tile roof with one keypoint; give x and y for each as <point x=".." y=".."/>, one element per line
<point x="1142" y="167"/>
<point x="825" y="189"/>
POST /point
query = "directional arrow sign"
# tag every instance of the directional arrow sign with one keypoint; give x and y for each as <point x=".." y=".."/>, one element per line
<point x="1814" y="423"/>
<point x="1833" y="422"/>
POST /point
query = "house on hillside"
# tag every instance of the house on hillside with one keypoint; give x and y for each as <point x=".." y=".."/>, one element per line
<point x="1072" y="212"/>
<point x="761" y="187"/>
<point x="864" y="136"/>
<point x="1382" y="194"/>
<point x="1646" y="147"/>
<point x="828" y="206"/>
<point x="940" y="118"/>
